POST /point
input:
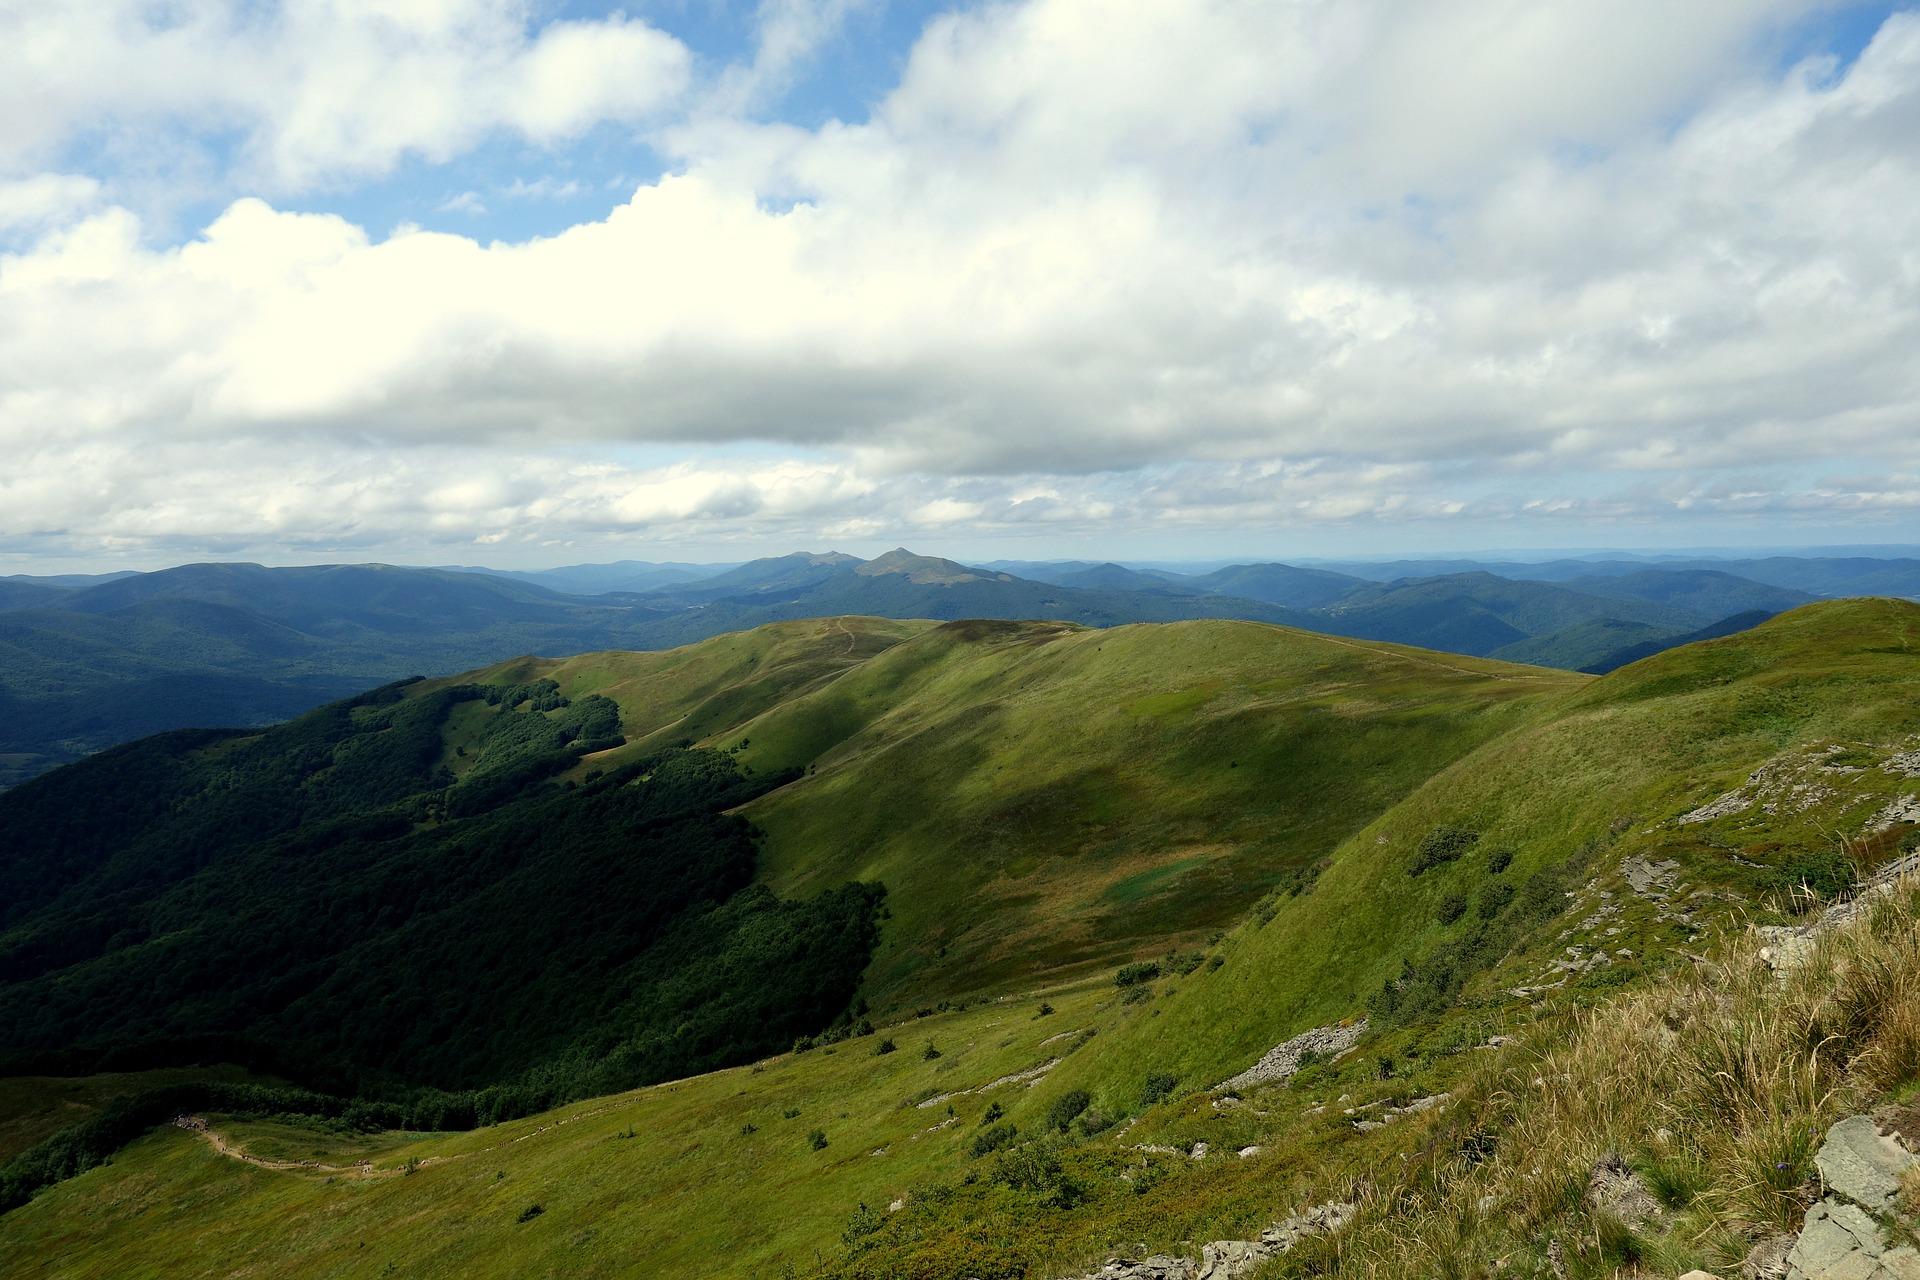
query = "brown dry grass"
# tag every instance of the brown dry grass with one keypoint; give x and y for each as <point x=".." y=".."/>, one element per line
<point x="1718" y="1085"/>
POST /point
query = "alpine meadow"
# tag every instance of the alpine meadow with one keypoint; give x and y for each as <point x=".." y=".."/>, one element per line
<point x="1034" y="640"/>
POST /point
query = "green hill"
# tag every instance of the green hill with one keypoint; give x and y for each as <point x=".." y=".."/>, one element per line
<point x="1559" y="840"/>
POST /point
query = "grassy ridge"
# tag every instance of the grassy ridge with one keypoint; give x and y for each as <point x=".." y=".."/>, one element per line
<point x="1038" y="796"/>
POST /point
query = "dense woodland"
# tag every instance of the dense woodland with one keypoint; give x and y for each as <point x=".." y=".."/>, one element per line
<point x="449" y="934"/>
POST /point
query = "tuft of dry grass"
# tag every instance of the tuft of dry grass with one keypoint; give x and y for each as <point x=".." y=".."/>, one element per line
<point x="1719" y="1084"/>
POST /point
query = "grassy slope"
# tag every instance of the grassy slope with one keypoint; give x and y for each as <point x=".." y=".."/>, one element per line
<point x="703" y="690"/>
<point x="719" y="1201"/>
<point x="1604" y="767"/>
<point x="1038" y="796"/>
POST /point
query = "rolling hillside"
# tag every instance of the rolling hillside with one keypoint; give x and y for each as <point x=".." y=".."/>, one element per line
<point x="1594" y="834"/>
<point x="94" y="661"/>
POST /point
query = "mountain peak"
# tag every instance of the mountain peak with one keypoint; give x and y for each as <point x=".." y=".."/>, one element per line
<point x="921" y="569"/>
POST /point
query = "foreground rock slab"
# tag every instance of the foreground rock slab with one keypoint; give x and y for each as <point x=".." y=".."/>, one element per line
<point x="1855" y="1233"/>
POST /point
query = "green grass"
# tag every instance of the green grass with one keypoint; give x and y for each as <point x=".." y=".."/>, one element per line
<point x="1006" y="785"/>
<point x="1004" y="775"/>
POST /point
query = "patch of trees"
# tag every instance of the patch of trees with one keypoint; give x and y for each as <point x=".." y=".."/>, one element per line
<point x="322" y="901"/>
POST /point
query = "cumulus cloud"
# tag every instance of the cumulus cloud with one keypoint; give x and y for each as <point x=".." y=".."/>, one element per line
<point x="318" y="90"/>
<point x="1181" y="263"/>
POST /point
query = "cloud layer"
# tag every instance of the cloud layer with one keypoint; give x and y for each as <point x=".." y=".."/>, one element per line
<point x="1088" y="268"/>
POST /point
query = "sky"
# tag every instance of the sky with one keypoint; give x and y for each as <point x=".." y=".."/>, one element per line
<point x="522" y="283"/>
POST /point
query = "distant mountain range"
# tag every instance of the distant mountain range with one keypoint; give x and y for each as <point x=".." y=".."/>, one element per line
<point x="87" y="661"/>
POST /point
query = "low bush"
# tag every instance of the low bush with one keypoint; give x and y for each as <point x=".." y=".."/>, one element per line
<point x="1440" y="846"/>
<point x="993" y="1139"/>
<point x="1067" y="1108"/>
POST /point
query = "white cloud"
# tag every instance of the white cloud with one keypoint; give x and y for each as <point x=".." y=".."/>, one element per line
<point x="317" y="90"/>
<point x="1185" y="263"/>
<point x="31" y="204"/>
<point x="466" y="202"/>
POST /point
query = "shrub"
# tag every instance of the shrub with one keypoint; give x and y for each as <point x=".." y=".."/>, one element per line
<point x="929" y="1053"/>
<point x="994" y="1112"/>
<point x="1094" y="1122"/>
<point x="1499" y="860"/>
<point x="1494" y="899"/>
<point x="531" y="1212"/>
<point x="861" y="1223"/>
<point x="1183" y="964"/>
<point x="817" y="1139"/>
<point x="1137" y="995"/>
<point x="791" y="1113"/>
<point x="1036" y="1168"/>
<point x="1044" y="1010"/>
<point x="1132" y="975"/>
<point x="1451" y="908"/>
<point x="1155" y="1088"/>
<point x="1067" y="1108"/>
<point x="1442" y="845"/>
<point x="884" y="1047"/>
<point x="993" y="1139"/>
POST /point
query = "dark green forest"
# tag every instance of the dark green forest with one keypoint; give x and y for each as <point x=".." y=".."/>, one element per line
<point x="330" y="902"/>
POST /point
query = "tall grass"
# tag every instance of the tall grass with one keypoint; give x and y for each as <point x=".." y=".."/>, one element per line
<point x="1717" y="1084"/>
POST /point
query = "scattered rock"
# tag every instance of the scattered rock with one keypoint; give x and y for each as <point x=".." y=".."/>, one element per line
<point x="1645" y="877"/>
<point x="1281" y="1061"/>
<point x="1617" y="1191"/>
<point x="1230" y="1259"/>
<point x="1903" y="810"/>
<point x="1026" y="1077"/>
<point x="1905" y="764"/>
<point x="1391" y="1114"/>
<point x="1699" y="1275"/>
<point x="1199" y="1151"/>
<point x="1247" y="1153"/>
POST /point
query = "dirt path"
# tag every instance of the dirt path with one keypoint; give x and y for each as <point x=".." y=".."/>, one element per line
<point x="223" y="1146"/>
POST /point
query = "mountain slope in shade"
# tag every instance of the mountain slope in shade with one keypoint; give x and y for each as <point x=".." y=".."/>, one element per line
<point x="621" y="576"/>
<point x="1113" y="577"/>
<point x="1282" y="584"/>
<point x="1647" y="648"/>
<point x="1707" y="594"/>
<point x="19" y="593"/>
<point x="1481" y="613"/>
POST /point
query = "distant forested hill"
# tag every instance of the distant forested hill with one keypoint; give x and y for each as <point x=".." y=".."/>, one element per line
<point x="89" y="662"/>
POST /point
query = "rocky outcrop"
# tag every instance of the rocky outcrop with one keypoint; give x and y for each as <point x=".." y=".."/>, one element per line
<point x="1788" y="946"/>
<point x="1855" y="1232"/>
<point x="1281" y="1061"/>
<point x="1229" y="1259"/>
